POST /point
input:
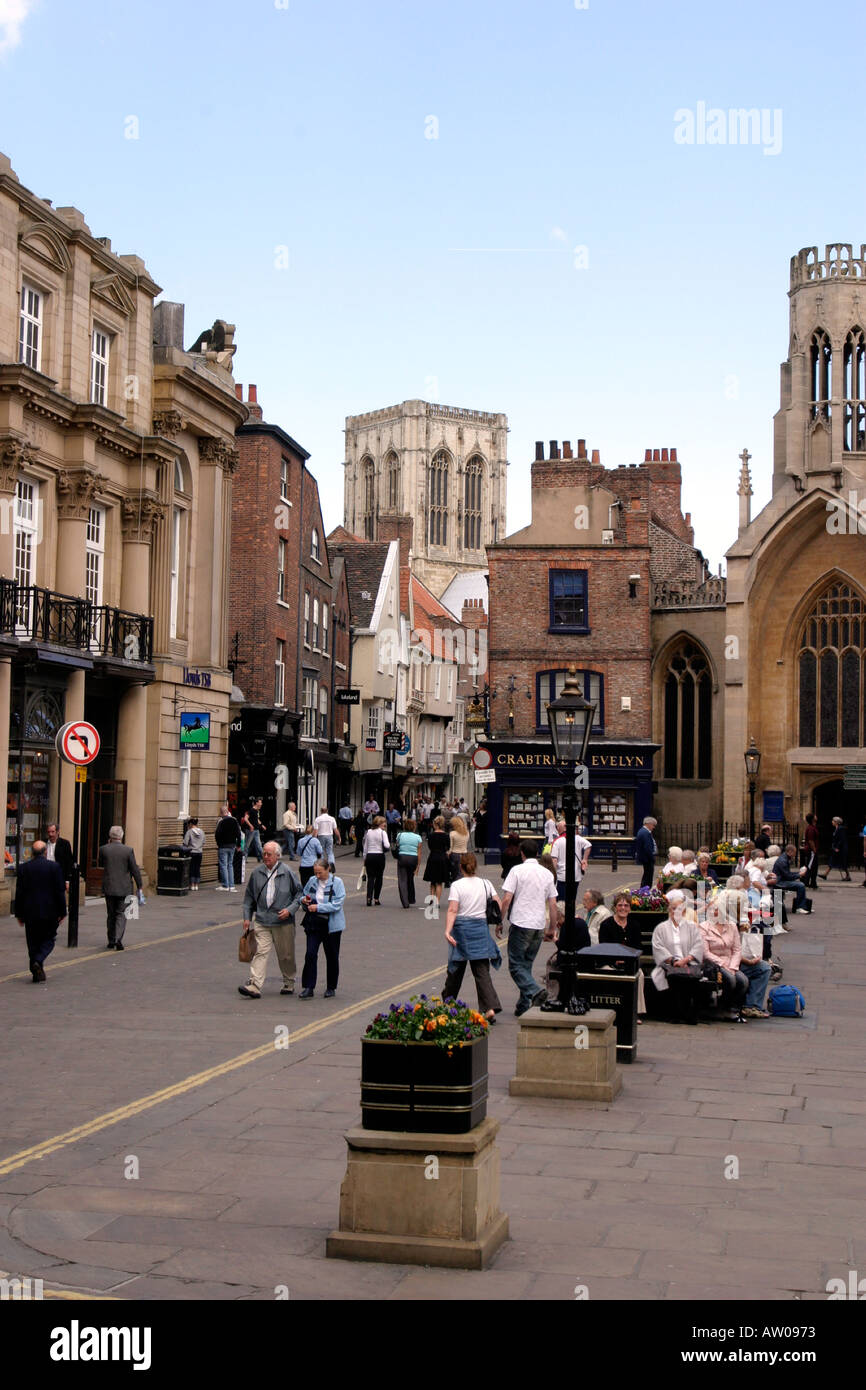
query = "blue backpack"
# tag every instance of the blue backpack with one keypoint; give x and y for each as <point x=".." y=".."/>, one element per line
<point x="785" y="1001"/>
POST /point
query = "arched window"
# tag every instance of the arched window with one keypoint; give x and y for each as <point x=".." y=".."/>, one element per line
<point x="392" y="469"/>
<point x="854" y="392"/>
<point x="688" y="737"/>
<point x="438" y="499"/>
<point x="368" y="475"/>
<point x="178" y="476"/>
<point x="821" y="374"/>
<point x="830" y="671"/>
<point x="472" y="504"/>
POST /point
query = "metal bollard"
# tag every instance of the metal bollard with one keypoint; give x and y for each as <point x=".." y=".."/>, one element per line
<point x="613" y="860"/>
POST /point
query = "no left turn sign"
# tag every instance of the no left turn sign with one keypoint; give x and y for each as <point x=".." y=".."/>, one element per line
<point x="78" y="743"/>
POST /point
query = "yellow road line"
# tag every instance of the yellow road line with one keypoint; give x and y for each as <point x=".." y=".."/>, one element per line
<point x="190" y="1083"/>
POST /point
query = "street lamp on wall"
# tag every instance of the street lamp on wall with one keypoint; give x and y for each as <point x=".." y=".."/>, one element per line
<point x="752" y="759"/>
<point x="570" y="719"/>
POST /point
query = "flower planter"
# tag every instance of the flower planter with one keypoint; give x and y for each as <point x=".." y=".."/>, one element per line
<point x="416" y="1087"/>
<point x="723" y="871"/>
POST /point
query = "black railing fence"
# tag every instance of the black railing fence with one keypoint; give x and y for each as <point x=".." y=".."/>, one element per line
<point x="41" y="615"/>
<point x="696" y="834"/>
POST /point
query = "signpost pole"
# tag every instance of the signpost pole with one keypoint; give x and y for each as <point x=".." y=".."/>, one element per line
<point x="74" y="881"/>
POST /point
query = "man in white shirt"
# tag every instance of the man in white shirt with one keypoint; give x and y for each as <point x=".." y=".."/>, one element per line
<point x="326" y="829"/>
<point x="290" y="828"/>
<point x="530" y="892"/>
<point x="582" y="851"/>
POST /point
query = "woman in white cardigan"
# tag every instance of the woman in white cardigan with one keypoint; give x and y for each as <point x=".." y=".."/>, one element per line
<point x="678" y="951"/>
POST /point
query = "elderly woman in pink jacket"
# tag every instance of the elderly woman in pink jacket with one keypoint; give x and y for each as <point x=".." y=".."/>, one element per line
<point x="723" y="952"/>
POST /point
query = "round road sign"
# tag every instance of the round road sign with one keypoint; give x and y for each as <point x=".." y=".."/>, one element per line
<point x="77" y="743"/>
<point x="482" y="758"/>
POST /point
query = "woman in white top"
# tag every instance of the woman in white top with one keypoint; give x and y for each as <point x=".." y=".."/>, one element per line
<point x="550" y="831"/>
<point x="678" y="951"/>
<point x="376" y="846"/>
<point x="458" y="843"/>
<point x="194" y="840"/>
<point x="675" y="861"/>
<point x="469" y="939"/>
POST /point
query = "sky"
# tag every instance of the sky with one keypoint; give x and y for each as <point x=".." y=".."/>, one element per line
<point x="507" y="206"/>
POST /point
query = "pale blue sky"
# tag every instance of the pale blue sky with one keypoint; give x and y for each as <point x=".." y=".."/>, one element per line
<point x="444" y="268"/>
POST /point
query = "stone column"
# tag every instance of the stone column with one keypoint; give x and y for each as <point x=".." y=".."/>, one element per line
<point x="76" y="491"/>
<point x="139" y="516"/>
<point x="131" y="761"/>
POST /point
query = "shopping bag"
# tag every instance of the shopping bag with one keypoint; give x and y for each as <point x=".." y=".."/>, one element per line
<point x="246" y="947"/>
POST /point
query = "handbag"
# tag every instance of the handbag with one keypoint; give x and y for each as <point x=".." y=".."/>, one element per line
<point x="395" y="847"/>
<point x="692" y="970"/>
<point x="492" y="911"/>
<point x="246" y="946"/>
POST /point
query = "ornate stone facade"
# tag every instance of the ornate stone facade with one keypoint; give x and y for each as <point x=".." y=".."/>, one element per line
<point x="443" y="466"/>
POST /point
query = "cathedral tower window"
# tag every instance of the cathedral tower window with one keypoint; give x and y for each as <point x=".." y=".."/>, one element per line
<point x="392" y="470"/>
<point x="368" y="474"/>
<point x="472" y="504"/>
<point x="688" y="738"/>
<point x="854" y="393"/>
<point x="821" y="374"/>
<point x="830" y="671"/>
<point x="438" y="498"/>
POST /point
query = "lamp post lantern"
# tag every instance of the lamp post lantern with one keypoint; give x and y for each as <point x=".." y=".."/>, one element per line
<point x="570" y="718"/>
<point x="752" y="758"/>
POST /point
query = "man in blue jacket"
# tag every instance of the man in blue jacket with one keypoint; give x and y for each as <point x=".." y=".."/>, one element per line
<point x="40" y="906"/>
<point x="645" y="850"/>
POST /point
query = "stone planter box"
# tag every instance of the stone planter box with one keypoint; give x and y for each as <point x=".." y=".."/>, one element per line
<point x="417" y="1088"/>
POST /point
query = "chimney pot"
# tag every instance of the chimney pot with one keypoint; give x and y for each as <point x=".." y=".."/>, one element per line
<point x="673" y="455"/>
<point x="664" y="455"/>
<point x="253" y="396"/>
<point x="595" y="457"/>
<point x="688" y="518"/>
<point x="581" y="448"/>
<point x="566" y="448"/>
<point x="647" y="455"/>
<point x="656" y="456"/>
<point x="554" y="448"/>
<point x="539" y="451"/>
<point x="239" y="391"/>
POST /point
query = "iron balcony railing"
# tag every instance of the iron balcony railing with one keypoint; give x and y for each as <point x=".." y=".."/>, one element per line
<point x="41" y="615"/>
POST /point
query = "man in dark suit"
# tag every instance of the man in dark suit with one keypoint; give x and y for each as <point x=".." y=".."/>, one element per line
<point x="40" y="906"/>
<point x="645" y="850"/>
<point x="60" y="851"/>
<point x="120" y="880"/>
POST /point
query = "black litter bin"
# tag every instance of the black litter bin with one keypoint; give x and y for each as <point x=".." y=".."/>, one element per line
<point x="607" y="979"/>
<point x="172" y="870"/>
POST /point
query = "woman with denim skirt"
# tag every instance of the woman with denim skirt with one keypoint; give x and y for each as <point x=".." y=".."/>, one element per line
<point x="469" y="940"/>
<point x="324" y="924"/>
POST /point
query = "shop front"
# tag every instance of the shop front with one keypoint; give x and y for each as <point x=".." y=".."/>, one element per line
<point x="264" y="761"/>
<point x="528" y="780"/>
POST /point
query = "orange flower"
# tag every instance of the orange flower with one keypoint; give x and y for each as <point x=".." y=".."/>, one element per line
<point x="431" y="1024"/>
<point x="442" y="1020"/>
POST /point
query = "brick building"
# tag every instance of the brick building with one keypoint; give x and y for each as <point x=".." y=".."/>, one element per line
<point x="290" y="625"/>
<point x="576" y="586"/>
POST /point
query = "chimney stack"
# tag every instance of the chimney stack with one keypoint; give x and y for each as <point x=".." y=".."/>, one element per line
<point x="239" y="391"/>
<point x="664" y="455"/>
<point x="595" y="456"/>
<point x="657" y="456"/>
<point x="673" y="455"/>
<point x="647" y="455"/>
<point x="581" y="448"/>
<point x="554" y="449"/>
<point x="566" y="448"/>
<point x="539" y="451"/>
<point x="253" y="396"/>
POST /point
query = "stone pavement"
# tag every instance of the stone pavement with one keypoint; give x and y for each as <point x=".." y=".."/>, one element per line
<point x="239" y="1174"/>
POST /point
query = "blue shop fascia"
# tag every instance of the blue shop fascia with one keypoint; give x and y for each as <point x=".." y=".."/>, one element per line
<point x="529" y="779"/>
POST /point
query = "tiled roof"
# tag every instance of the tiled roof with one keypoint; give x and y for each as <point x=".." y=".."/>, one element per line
<point x="365" y="561"/>
<point x="429" y="613"/>
<point x="340" y="535"/>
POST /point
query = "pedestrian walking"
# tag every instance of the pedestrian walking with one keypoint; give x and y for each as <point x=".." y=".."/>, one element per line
<point x="291" y="826"/>
<point x="458" y="841"/>
<point x="376" y="847"/>
<point x="438" y="868"/>
<point x="309" y="849"/>
<point x="469" y="940"/>
<point x="361" y="827"/>
<point x="645" y="850"/>
<point x="272" y="898"/>
<point x="511" y="855"/>
<point x="194" y="841"/>
<point x="324" y="924"/>
<point x="810" y="851"/>
<point x="228" y="838"/>
<point x="481" y="828"/>
<point x="371" y="809"/>
<point x="529" y="893"/>
<point x="40" y="906"/>
<point x="582" y="851"/>
<point x="344" y="816"/>
<point x="838" y="851"/>
<point x="58" y="851"/>
<point x="121" y="879"/>
<point x="393" y="818"/>
<point x="408" y="846"/>
<point x="252" y="824"/>
<point x="326" y="831"/>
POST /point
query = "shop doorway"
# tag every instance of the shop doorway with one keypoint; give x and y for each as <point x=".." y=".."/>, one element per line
<point x="106" y="806"/>
<point x="829" y="800"/>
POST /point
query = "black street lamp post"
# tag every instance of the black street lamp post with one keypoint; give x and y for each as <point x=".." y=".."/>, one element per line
<point x="571" y="718"/>
<point x="753" y="763"/>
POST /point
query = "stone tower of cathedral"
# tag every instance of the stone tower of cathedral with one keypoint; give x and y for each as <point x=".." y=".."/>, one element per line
<point x="795" y="672"/>
<point x="442" y="466"/>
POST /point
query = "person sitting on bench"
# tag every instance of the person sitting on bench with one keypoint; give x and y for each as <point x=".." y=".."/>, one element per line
<point x="784" y="876"/>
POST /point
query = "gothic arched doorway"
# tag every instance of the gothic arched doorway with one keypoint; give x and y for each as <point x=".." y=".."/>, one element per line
<point x="829" y="800"/>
